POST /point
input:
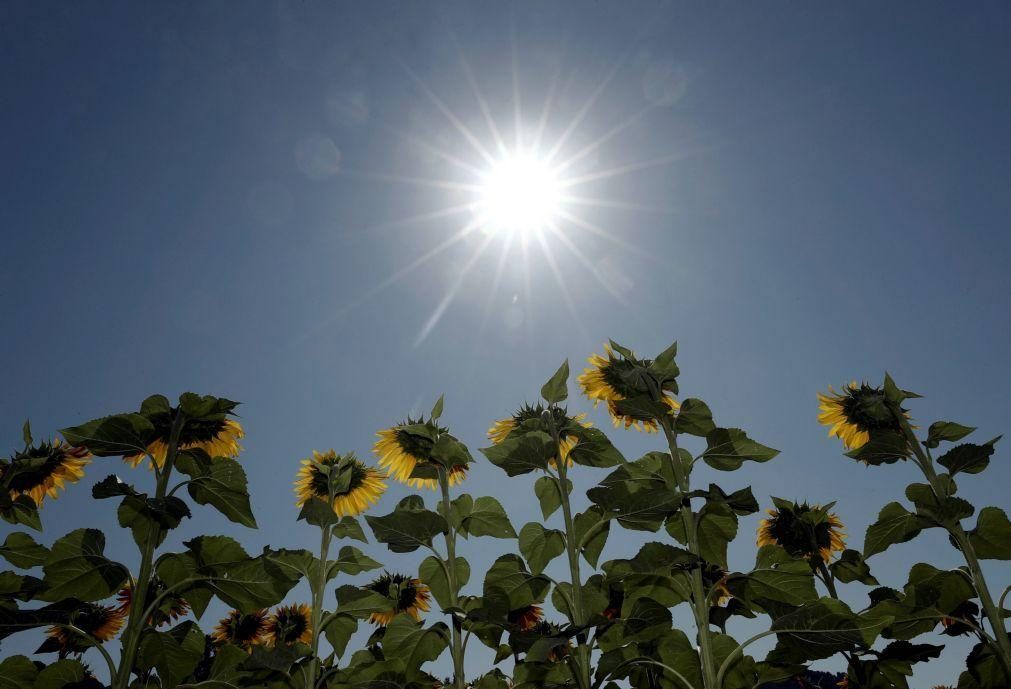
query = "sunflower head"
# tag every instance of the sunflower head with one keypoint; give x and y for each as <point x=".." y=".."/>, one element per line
<point x="244" y="631"/>
<point x="615" y="599"/>
<point x="961" y="620"/>
<point x="526" y="618"/>
<point x="406" y="594"/>
<point x="859" y="413"/>
<point x="42" y="470"/>
<point x="714" y="578"/>
<point x="171" y="608"/>
<point x="562" y="648"/>
<point x="413" y="451"/>
<point x="636" y="391"/>
<point x="533" y="417"/>
<point x="288" y="625"/>
<point x="344" y="481"/>
<point x="206" y="427"/>
<point x="803" y="530"/>
<point x="100" y="622"/>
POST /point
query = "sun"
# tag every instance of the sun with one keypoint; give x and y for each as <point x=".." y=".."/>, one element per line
<point x="520" y="194"/>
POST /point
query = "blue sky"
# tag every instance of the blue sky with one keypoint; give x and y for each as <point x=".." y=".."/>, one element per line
<point x="209" y="197"/>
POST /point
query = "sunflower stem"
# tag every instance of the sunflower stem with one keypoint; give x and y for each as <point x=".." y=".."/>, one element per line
<point x="318" y="589"/>
<point x="700" y="607"/>
<point x="136" y="623"/>
<point x="961" y="538"/>
<point x="459" y="677"/>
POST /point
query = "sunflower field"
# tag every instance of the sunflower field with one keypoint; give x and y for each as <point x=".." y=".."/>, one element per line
<point x="671" y="614"/>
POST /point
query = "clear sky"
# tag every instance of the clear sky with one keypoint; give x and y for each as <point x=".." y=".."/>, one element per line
<point x="225" y="197"/>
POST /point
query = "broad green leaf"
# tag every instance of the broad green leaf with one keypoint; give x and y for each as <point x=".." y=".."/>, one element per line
<point x="694" y="418"/>
<point x="413" y="643"/>
<point x="22" y="510"/>
<point x="338" y="629"/>
<point x="521" y="454"/>
<point x="895" y="524"/>
<point x="17" y="672"/>
<point x="431" y="572"/>
<point x="76" y="567"/>
<point x="151" y="518"/>
<point x="111" y="436"/>
<point x="221" y="483"/>
<point x="594" y="449"/>
<point x="349" y="527"/>
<point x="946" y="431"/>
<point x="828" y="625"/>
<point x="851" y="567"/>
<point x="991" y="538"/>
<point x="246" y="583"/>
<point x="358" y="602"/>
<point x="299" y="563"/>
<point x="22" y="551"/>
<point x="968" y="458"/>
<point x="174" y="654"/>
<point x="351" y="561"/>
<point x="410" y="526"/>
<point x="539" y="546"/>
<point x="488" y="518"/>
<point x="556" y="390"/>
<point x="591" y="529"/>
<point x="61" y="673"/>
<point x="716" y="526"/>
<point x="548" y="494"/>
<point x="318" y="513"/>
<point x="174" y="569"/>
<point x="728" y="448"/>
<point x="775" y="589"/>
<point x="509" y="585"/>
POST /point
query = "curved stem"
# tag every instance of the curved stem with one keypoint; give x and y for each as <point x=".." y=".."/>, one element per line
<point x="94" y="643"/>
<point x="649" y="661"/>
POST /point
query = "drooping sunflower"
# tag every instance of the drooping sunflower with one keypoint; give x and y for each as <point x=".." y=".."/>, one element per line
<point x="218" y="437"/>
<point x="400" y="451"/>
<point x="501" y="429"/>
<point x="364" y="484"/>
<point x="560" y="651"/>
<point x="854" y="412"/>
<point x="171" y="609"/>
<point x="241" y="630"/>
<point x="607" y="380"/>
<point x="803" y="530"/>
<point x="961" y="620"/>
<point x="42" y="470"/>
<point x="408" y="595"/>
<point x="288" y="625"/>
<point x="715" y="579"/>
<point x="100" y="622"/>
<point x="526" y="618"/>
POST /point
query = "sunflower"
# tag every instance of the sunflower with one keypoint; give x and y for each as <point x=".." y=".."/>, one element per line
<point x="501" y="429"/>
<point x="410" y="596"/>
<point x="241" y="630"/>
<point x="362" y="488"/>
<point x="100" y="622"/>
<point x="961" y="620"/>
<point x="606" y="380"/>
<point x="42" y="470"/>
<point x="560" y="651"/>
<point x="216" y="437"/>
<point x="526" y="618"/>
<point x="615" y="600"/>
<point x="856" y="411"/>
<point x="171" y="609"/>
<point x="290" y="624"/>
<point x="715" y="578"/>
<point x="803" y="530"/>
<point x="401" y="451"/>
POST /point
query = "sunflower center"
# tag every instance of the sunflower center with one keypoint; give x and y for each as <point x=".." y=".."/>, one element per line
<point x="320" y="483"/>
<point x="417" y="446"/>
<point x="866" y="409"/>
<point x="247" y="627"/>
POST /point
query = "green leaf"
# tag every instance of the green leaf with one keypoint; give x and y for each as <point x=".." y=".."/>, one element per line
<point x="540" y="546"/>
<point x="410" y="526"/>
<point x="968" y="457"/>
<point x="246" y="583"/>
<point x="594" y="449"/>
<point x="351" y="561"/>
<point x="76" y="567"/>
<point x="695" y="418"/>
<point x="175" y="568"/>
<point x="664" y="368"/>
<point x="413" y="643"/>
<point x="432" y="573"/>
<point x="895" y="524"/>
<point x="851" y="567"/>
<point x="348" y="527"/>
<point x="26" y="433"/>
<point x="151" y="518"/>
<point x="22" y="551"/>
<point x="299" y="563"/>
<point x="941" y="431"/>
<point x="22" y="510"/>
<point x="548" y="495"/>
<point x="556" y="389"/>
<point x="174" y="654"/>
<point x="17" y="672"/>
<point x="219" y="482"/>
<point x="360" y="603"/>
<point x="716" y="527"/>
<point x="591" y="529"/>
<point x="338" y="630"/>
<point x="437" y="408"/>
<point x="774" y="588"/>
<point x="112" y="436"/>
<point x="829" y="626"/>
<point x="509" y="585"/>
<point x="318" y="513"/>
<point x="728" y="448"/>
<point x="487" y="518"/>
<point x="939" y="511"/>
<point x="991" y="538"/>
<point x="521" y="454"/>
<point x="60" y="674"/>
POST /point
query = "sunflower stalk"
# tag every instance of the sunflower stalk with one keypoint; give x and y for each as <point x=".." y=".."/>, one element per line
<point x="583" y="650"/>
<point x="677" y="477"/>
<point x="136" y="624"/>
<point x="318" y="588"/>
<point x="459" y="677"/>
<point x="1002" y="643"/>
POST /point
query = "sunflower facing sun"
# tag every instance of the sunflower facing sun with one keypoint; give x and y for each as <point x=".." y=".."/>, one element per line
<point x="854" y="413"/>
<point x="608" y="379"/>
<point x="803" y="530"/>
<point x="407" y="594"/>
<point x="101" y="623"/>
<point x="42" y="470"/>
<point x="288" y="625"/>
<point x="353" y="485"/>
<point x="531" y="416"/>
<point x="405" y="447"/>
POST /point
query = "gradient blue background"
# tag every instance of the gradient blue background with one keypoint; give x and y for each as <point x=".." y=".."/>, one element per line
<point x="835" y="202"/>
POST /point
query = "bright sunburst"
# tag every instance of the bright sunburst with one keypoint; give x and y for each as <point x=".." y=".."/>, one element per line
<point x="520" y="194"/>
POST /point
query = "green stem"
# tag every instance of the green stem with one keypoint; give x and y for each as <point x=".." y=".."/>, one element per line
<point x="700" y="606"/>
<point x="137" y="621"/>
<point x="318" y="589"/>
<point x="459" y="676"/>
<point x="961" y="538"/>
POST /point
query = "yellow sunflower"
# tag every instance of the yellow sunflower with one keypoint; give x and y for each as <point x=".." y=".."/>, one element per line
<point x="603" y="381"/>
<point x="409" y="596"/>
<point x="501" y="429"/>
<point x="216" y="437"/>
<point x="400" y="452"/>
<point x="715" y="578"/>
<point x="171" y="609"/>
<point x="241" y="630"/>
<point x="364" y="487"/>
<point x="526" y="618"/>
<point x="101" y="623"/>
<point x="290" y="624"/>
<point x="854" y="412"/>
<point x="819" y="533"/>
<point x="44" y="469"/>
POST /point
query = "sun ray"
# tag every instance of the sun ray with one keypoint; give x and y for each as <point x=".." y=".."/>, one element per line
<point x="562" y="287"/>
<point x="581" y="114"/>
<point x="624" y="169"/>
<point x="415" y="141"/>
<point x="604" y="234"/>
<point x="604" y="138"/>
<point x="594" y="202"/>
<point x="447" y="212"/>
<point x="481" y="101"/>
<point x="452" y="185"/>
<point x="587" y="263"/>
<point x="433" y="320"/>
